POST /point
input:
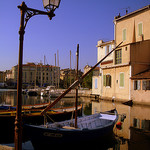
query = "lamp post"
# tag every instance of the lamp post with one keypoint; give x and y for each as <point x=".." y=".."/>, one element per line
<point x="26" y="14"/>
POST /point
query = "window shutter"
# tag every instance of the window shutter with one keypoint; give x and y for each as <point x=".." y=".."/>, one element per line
<point x="105" y="50"/>
<point x="143" y="85"/>
<point x="95" y="83"/>
<point x="109" y="81"/>
<point x="121" y="79"/>
<point x="110" y="47"/>
<point x="135" y="85"/>
<point x="104" y="80"/>
<point x="124" y="34"/>
<point x="138" y="85"/>
<point x="140" y="28"/>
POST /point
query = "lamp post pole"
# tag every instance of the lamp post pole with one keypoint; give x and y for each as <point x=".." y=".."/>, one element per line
<point x="26" y="14"/>
<point x="18" y="120"/>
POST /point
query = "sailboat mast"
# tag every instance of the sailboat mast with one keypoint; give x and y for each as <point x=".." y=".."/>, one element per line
<point x="77" y="72"/>
<point x="70" y="67"/>
<point x="77" y="82"/>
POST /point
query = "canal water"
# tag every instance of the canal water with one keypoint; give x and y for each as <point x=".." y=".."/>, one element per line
<point x="133" y="134"/>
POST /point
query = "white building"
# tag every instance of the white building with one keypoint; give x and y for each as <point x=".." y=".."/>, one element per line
<point x="103" y="48"/>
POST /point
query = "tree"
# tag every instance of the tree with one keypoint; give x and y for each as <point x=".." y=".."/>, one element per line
<point x="87" y="81"/>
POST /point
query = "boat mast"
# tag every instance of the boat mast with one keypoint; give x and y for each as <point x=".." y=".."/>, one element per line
<point x="77" y="72"/>
<point x="77" y="82"/>
<point x="70" y="67"/>
<point x="58" y="73"/>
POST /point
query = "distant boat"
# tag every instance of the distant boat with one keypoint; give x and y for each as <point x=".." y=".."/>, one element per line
<point x="32" y="93"/>
<point x="7" y="107"/>
<point x="89" y="128"/>
<point x="4" y="107"/>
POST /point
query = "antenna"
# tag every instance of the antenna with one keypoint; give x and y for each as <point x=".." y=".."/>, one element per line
<point x="126" y="9"/>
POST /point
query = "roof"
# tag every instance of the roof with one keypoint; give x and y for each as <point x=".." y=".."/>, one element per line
<point x="142" y="75"/>
<point x="97" y="69"/>
<point x="37" y="65"/>
<point x="102" y="43"/>
<point x="118" y="18"/>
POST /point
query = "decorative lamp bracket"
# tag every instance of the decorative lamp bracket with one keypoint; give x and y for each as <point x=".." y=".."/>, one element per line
<point x="29" y="12"/>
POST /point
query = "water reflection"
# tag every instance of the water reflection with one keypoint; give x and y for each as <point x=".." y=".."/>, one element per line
<point x="135" y="130"/>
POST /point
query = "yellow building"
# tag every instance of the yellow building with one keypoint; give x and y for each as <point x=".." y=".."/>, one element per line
<point x="37" y="74"/>
<point x="131" y="58"/>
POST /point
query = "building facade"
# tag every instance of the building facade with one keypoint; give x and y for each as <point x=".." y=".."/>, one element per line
<point x="128" y="60"/>
<point x="68" y="76"/>
<point x="2" y="76"/>
<point x="140" y="87"/>
<point x="36" y="75"/>
<point x="103" y="48"/>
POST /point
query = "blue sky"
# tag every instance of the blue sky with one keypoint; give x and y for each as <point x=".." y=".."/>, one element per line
<point x="82" y="22"/>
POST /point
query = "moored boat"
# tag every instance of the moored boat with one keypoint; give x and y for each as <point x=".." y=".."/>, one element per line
<point x="89" y="128"/>
<point x="4" y="107"/>
<point x="32" y="116"/>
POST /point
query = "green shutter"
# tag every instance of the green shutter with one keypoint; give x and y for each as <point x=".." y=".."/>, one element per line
<point x="104" y="80"/>
<point x="124" y="34"/>
<point x="121" y="79"/>
<point x="140" y="28"/>
<point x="110" y="81"/>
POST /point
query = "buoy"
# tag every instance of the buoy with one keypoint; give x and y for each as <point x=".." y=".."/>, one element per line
<point x="119" y="125"/>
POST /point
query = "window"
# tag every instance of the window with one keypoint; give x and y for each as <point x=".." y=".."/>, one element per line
<point x="121" y="79"/>
<point x="106" y="50"/>
<point x="110" y="48"/>
<point x="146" y="85"/>
<point x="137" y="85"/>
<point x="96" y="84"/>
<point x="146" y="125"/>
<point x="118" y="56"/>
<point x="140" y="29"/>
<point x="136" y="123"/>
<point x="124" y="34"/>
<point x="107" y="80"/>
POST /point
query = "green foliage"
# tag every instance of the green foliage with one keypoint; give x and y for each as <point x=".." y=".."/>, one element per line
<point x="87" y="81"/>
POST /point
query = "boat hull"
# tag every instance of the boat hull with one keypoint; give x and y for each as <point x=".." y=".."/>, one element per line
<point x="42" y="136"/>
<point x="7" y="123"/>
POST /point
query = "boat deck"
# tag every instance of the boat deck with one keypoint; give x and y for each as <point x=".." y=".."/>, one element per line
<point x="87" y="122"/>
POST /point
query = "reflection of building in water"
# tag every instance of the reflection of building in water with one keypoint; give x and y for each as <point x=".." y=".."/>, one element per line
<point x="10" y="98"/>
<point x="140" y="118"/>
<point x="122" y="109"/>
<point x="140" y="86"/>
<point x="140" y="128"/>
<point x="136" y="126"/>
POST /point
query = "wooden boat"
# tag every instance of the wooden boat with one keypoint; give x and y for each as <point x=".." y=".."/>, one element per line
<point x="32" y="116"/>
<point x="89" y="128"/>
<point x="84" y="129"/>
<point x="4" y="107"/>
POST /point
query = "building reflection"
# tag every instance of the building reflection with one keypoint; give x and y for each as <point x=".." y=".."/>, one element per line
<point x="135" y="128"/>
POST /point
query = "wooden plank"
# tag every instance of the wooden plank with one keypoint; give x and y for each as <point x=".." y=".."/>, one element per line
<point x="4" y="147"/>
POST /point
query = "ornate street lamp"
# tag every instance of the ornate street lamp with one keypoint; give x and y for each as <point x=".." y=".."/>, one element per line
<point x="26" y="14"/>
<point x="51" y="4"/>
